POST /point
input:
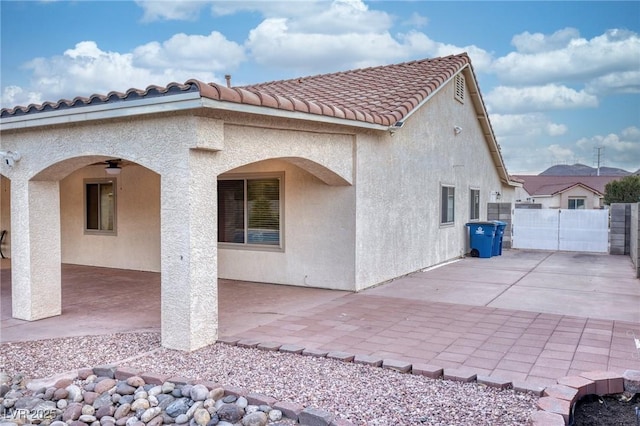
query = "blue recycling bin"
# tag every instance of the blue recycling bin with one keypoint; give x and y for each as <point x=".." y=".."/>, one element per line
<point x="481" y="235"/>
<point x="497" y="239"/>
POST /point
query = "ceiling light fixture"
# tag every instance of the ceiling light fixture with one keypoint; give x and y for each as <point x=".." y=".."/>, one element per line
<point x="112" y="168"/>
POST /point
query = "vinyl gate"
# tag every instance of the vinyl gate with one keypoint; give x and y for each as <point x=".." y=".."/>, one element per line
<point x="567" y="230"/>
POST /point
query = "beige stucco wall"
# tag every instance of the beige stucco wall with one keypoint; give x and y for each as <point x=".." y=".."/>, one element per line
<point x="398" y="186"/>
<point x="136" y="244"/>
<point x="591" y="201"/>
<point x="318" y="235"/>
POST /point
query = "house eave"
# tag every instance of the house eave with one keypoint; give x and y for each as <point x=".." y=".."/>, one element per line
<point x="173" y="103"/>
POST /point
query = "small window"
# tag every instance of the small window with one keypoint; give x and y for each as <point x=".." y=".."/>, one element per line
<point x="475" y="205"/>
<point x="447" y="202"/>
<point x="459" y="88"/>
<point x="249" y="211"/>
<point x="100" y="206"/>
<point x="576" y="203"/>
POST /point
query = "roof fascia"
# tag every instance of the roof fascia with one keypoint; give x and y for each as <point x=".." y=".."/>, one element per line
<point x="485" y="124"/>
<point x="162" y="104"/>
<point x="154" y="105"/>
<point x="587" y="187"/>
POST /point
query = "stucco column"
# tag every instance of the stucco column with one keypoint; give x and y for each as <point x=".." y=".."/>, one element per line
<point x="35" y="250"/>
<point x="189" y="253"/>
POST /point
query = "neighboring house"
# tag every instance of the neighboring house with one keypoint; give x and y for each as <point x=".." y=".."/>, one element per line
<point x="339" y="181"/>
<point x="562" y="192"/>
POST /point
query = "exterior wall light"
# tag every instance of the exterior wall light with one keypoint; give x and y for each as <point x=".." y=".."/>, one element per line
<point x="457" y="130"/>
<point x="10" y="157"/>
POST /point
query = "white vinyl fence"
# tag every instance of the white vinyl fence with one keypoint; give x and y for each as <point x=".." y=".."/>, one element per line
<point x="566" y="230"/>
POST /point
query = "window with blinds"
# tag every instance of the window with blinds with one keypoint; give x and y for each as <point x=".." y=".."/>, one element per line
<point x="447" y="204"/>
<point x="249" y="211"/>
<point x="100" y="206"/>
<point x="475" y="205"/>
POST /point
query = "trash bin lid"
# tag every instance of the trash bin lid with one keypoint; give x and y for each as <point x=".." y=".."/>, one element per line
<point x="493" y="224"/>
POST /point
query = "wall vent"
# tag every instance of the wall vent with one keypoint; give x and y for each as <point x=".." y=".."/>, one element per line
<point x="459" y="88"/>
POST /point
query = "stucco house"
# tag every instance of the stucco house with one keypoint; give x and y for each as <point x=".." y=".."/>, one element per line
<point x="340" y="181"/>
<point x="562" y="192"/>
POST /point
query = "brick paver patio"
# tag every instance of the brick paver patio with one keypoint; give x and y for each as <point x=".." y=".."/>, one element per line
<point x="515" y="345"/>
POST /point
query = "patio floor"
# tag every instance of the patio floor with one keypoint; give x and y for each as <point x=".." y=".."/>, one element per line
<point x="529" y="316"/>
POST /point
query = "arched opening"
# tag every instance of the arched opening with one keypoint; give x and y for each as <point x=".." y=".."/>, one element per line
<point x="104" y="235"/>
<point x="311" y="244"/>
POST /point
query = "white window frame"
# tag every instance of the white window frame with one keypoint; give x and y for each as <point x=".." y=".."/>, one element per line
<point x="444" y="221"/>
<point x="472" y="203"/>
<point x="575" y="199"/>
<point x="253" y="246"/>
<point x="113" y="182"/>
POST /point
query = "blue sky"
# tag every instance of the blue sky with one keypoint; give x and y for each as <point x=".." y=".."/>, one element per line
<point x="559" y="79"/>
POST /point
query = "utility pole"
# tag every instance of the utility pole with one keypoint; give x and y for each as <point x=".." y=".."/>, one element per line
<point x="599" y="155"/>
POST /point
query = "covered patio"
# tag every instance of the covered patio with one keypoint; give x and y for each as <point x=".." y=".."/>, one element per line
<point x="105" y="300"/>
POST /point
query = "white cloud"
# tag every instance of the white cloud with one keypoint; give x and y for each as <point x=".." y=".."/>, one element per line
<point x="416" y="20"/>
<point x="275" y="44"/>
<point x="621" y="149"/>
<point x="538" y="42"/>
<point x="86" y="69"/>
<point x="560" y="154"/>
<point x="540" y="98"/>
<point x="195" y="52"/>
<point x="564" y="56"/>
<point x="622" y="82"/>
<point x="520" y="128"/>
<point x="174" y="10"/>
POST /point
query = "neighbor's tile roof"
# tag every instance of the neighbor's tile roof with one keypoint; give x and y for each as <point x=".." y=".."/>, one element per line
<point x="551" y="185"/>
<point x="378" y="95"/>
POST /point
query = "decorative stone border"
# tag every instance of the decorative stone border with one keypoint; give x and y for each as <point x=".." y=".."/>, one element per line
<point x="303" y="415"/>
<point x="556" y="402"/>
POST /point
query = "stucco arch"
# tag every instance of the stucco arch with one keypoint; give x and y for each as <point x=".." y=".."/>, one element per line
<point x="320" y="171"/>
<point x="60" y="169"/>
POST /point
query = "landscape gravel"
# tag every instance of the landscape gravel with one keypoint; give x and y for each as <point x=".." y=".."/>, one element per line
<point x="361" y="394"/>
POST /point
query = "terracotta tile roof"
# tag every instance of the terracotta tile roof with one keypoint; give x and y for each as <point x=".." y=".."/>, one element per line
<point x="551" y="185"/>
<point x="378" y="95"/>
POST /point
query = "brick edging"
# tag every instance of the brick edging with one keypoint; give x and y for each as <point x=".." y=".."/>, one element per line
<point x="556" y="402"/>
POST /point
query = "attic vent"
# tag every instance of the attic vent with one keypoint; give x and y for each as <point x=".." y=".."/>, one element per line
<point x="459" y="88"/>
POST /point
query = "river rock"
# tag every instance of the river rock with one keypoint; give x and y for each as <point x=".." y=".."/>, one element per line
<point x="182" y="419"/>
<point x="177" y="407"/>
<point x="135" y="381"/>
<point x="122" y="411"/>
<point x="72" y="412"/>
<point x="230" y="413"/>
<point x="104" y="385"/>
<point x="75" y="393"/>
<point x="150" y="414"/>
<point x="102" y="401"/>
<point x="106" y="410"/>
<point x="168" y="387"/>
<point x="275" y="415"/>
<point x="255" y="419"/>
<point x="202" y="416"/>
<point x="90" y="397"/>
<point x="199" y="392"/>
<point x="140" y="404"/>
<point x="61" y="393"/>
<point x="125" y="389"/>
